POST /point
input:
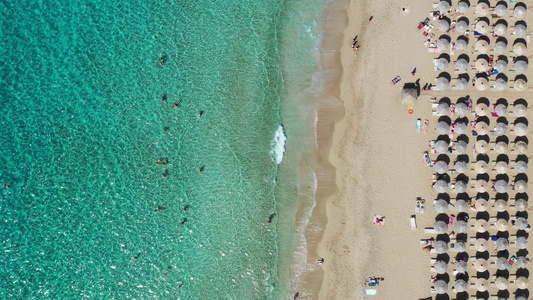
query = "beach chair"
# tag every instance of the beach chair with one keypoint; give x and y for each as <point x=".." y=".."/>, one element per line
<point x="430" y="230"/>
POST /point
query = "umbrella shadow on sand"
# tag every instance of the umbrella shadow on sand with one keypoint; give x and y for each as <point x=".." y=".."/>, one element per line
<point x="503" y="157"/>
<point x="483" y="100"/>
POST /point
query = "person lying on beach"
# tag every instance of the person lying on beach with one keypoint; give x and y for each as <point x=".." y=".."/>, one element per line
<point x="320" y="261"/>
<point x="427" y="248"/>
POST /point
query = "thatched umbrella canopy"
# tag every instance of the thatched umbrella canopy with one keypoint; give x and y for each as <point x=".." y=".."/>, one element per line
<point x="521" y="166"/>
<point x="443" y="128"/>
<point x="520" y="204"/>
<point x="460" y="206"/>
<point x="460" y="128"/>
<point x="481" y="225"/>
<point x="520" y="66"/>
<point x="441" y="286"/>
<point x="500" y="147"/>
<point x="461" y="108"/>
<point x="441" y="206"/>
<point x="519" y="48"/>
<point x="461" y="226"/>
<point x="501" y="283"/>
<point x="500" y="84"/>
<point x="522" y="282"/>
<point x="461" y="147"/>
<point x="500" y="29"/>
<point x="441" y="247"/>
<point x="443" y="44"/>
<point x="481" y="186"/>
<point x="520" y="186"/>
<point x="460" y="246"/>
<point x="500" y="9"/>
<point x="461" y="187"/>
<point x="520" y="147"/>
<point x="444" y="25"/>
<point x="502" y="167"/>
<point x="500" y="47"/>
<point x="502" y="263"/>
<point x="482" y="65"/>
<point x="463" y="6"/>
<point x="460" y="286"/>
<point x="520" y="29"/>
<point x="481" y="145"/>
<point x="502" y="224"/>
<point x="461" y="26"/>
<point x="441" y="267"/>
<point x="520" y="129"/>
<point x="481" y="265"/>
<point x="521" y="242"/>
<point x="501" y="186"/>
<point x="441" y="186"/>
<point x="442" y="83"/>
<point x="521" y="262"/>
<point x="520" y="84"/>
<point x="501" y="206"/>
<point x="440" y="227"/>
<point x="482" y="9"/>
<point x="521" y="223"/>
<point x="461" y="64"/>
<point x="461" y="44"/>
<point x="441" y="146"/>
<point x="443" y="7"/>
<point x="482" y="284"/>
<point x="441" y="167"/>
<point x="461" y="84"/>
<point x="482" y="27"/>
<point x="481" y="166"/>
<point x="461" y="166"/>
<point x="482" y="109"/>
<point x="519" y="12"/>
<point x="481" y="84"/>
<point x="519" y="298"/>
<point x="501" y="65"/>
<point x="502" y="244"/>
<point x="481" y="246"/>
<point x="409" y="95"/>
<point x="460" y="266"/>
<point x="520" y="110"/>
<point x="442" y="63"/>
<point x="500" y="129"/>
<point x="443" y="108"/>
<point x="501" y="109"/>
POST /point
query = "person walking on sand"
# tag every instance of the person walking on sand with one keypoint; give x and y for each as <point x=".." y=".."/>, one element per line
<point x="413" y="72"/>
<point x="370" y="19"/>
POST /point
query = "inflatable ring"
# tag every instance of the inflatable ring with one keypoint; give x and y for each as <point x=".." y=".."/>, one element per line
<point x="411" y="111"/>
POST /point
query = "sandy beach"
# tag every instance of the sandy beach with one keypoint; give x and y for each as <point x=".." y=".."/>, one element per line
<point x="377" y="155"/>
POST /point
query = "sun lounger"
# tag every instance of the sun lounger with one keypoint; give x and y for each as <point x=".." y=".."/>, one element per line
<point x="413" y="222"/>
<point x="430" y="230"/>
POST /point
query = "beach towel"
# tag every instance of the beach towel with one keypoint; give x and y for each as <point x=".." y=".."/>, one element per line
<point x="396" y="80"/>
<point x="371" y="291"/>
<point x="379" y="220"/>
<point x="418" y="125"/>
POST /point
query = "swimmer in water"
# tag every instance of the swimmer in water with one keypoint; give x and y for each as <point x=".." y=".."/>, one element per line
<point x="200" y="113"/>
<point x="184" y="222"/>
<point x="185" y="208"/>
<point x="176" y="104"/>
<point x="137" y="256"/>
<point x="163" y="97"/>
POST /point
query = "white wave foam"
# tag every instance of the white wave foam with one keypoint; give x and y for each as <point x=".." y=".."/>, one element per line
<point x="278" y="144"/>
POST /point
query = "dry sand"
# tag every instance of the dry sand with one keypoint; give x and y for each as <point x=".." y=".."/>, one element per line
<point x="377" y="154"/>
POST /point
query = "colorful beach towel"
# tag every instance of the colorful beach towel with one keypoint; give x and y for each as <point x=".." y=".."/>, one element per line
<point x="396" y="80"/>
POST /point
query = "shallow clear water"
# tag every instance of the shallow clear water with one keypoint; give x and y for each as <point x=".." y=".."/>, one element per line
<point x="83" y="125"/>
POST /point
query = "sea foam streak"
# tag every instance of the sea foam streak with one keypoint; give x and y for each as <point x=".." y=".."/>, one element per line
<point x="278" y="144"/>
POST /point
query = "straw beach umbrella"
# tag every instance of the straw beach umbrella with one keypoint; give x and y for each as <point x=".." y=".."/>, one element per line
<point x="500" y="47"/>
<point x="460" y="246"/>
<point x="521" y="223"/>
<point x="460" y="266"/>
<point x="519" y="48"/>
<point x="521" y="242"/>
<point x="481" y="84"/>
<point x="441" y="146"/>
<point x="443" y="108"/>
<point x="441" y="286"/>
<point x="520" y="147"/>
<point x="501" y="283"/>
<point x="501" y="65"/>
<point x="461" y="147"/>
<point x="482" y="8"/>
<point x="521" y="166"/>
<point x="520" y="186"/>
<point x="443" y="44"/>
<point x="481" y="145"/>
<point x="461" y="26"/>
<point x="520" y="129"/>
<point x="481" y="167"/>
<point x="500" y="9"/>
<point x="520" y="84"/>
<point x="442" y="63"/>
<point x="520" y="29"/>
<point x="500" y="109"/>
<point x="460" y="206"/>
<point x="520" y="110"/>
<point x="500" y="84"/>
<point x="482" y="45"/>
<point x="444" y="25"/>
<point x="520" y="204"/>
<point x="482" y="27"/>
<point x="441" y="206"/>
<point x="441" y="267"/>
<point x="443" y="128"/>
<point x="500" y="29"/>
<point x="502" y="263"/>
<point x="441" y="167"/>
<point x="460" y="128"/>
<point x="502" y="167"/>
<point x="501" y="186"/>
<point x="443" y="7"/>
<point x="482" y="284"/>
<point x="520" y="66"/>
<point x="460" y="286"/>
<point x="462" y="7"/>
<point x="440" y="227"/>
<point x="482" y="186"/>
<point x="461" y="108"/>
<point x="521" y="262"/>
<point x="461" y="84"/>
<point x="519" y="12"/>
<point x="500" y="147"/>
<point x="442" y="83"/>
<point x="500" y="129"/>
<point x="461" y="44"/>
<point x="481" y="225"/>
<point x="461" y="166"/>
<point x="481" y="246"/>
<point x="461" y="226"/>
<point x="461" y="64"/>
<point x="441" y="247"/>
<point x="441" y="186"/>
<point x="460" y="187"/>
<point x="501" y="206"/>
<point x="502" y="225"/>
<point x="501" y="244"/>
<point x="522" y="282"/>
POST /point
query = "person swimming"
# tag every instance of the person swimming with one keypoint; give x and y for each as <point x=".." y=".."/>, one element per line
<point x="137" y="256"/>
<point x="200" y="113"/>
<point x="185" y="208"/>
<point x="175" y="105"/>
<point x="163" y="97"/>
<point x="162" y="60"/>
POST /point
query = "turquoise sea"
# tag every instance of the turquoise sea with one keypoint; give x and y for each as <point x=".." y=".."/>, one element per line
<point x="96" y="166"/>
